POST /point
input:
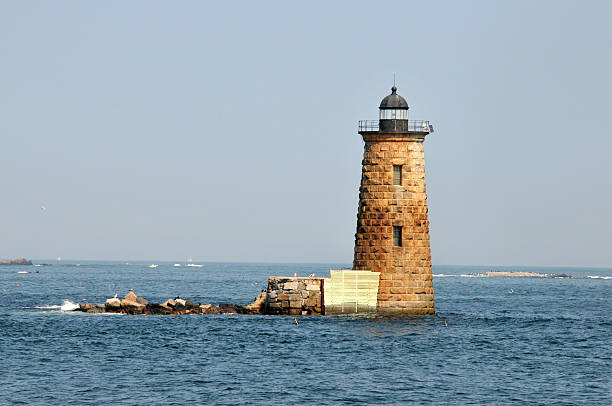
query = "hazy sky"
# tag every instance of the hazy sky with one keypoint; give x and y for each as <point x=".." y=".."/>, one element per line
<point x="228" y="130"/>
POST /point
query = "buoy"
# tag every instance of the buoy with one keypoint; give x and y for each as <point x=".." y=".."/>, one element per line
<point x="296" y="322"/>
<point x="445" y="323"/>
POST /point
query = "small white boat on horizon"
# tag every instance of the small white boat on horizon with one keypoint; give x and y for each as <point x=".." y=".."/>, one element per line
<point x="177" y="264"/>
<point x="195" y="265"/>
<point x="153" y="266"/>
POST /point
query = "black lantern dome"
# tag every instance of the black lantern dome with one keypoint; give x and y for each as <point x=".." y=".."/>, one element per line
<point x="393" y="101"/>
<point x="393" y="111"/>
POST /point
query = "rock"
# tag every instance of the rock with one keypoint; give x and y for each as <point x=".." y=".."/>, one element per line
<point x="132" y="307"/>
<point x="190" y="305"/>
<point x="158" y="309"/>
<point x="113" y="302"/>
<point x="209" y="309"/>
<point x="85" y="306"/>
<point x="96" y="309"/>
<point x="113" y="306"/>
<point x="291" y="286"/>
<point x="180" y="302"/>
<point x="16" y="261"/>
<point x="142" y="300"/>
<point x="169" y="303"/>
<point x="131" y="296"/>
<point x="226" y="308"/>
<point x="258" y="304"/>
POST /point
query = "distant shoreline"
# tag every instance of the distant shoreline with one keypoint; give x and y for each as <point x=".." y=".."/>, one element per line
<point x="519" y="274"/>
<point x="16" y="261"/>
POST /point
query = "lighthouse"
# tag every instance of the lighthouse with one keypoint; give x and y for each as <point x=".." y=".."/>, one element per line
<point x="392" y="236"/>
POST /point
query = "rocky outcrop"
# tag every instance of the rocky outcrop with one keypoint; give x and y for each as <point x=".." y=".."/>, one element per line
<point x="134" y="304"/>
<point x="16" y="261"/>
<point x="519" y="274"/>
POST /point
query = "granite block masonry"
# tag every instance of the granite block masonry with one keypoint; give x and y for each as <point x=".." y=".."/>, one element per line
<point x="392" y="235"/>
<point x="294" y="295"/>
<point x="345" y="291"/>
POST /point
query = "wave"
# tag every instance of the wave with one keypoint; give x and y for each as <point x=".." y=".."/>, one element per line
<point x="66" y="306"/>
<point x="54" y="307"/>
<point x="69" y="306"/>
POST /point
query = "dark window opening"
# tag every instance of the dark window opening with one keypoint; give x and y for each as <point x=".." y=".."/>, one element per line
<point x="397" y="236"/>
<point x="397" y="174"/>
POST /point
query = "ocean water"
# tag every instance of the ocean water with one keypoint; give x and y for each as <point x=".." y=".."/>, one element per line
<point x="497" y="341"/>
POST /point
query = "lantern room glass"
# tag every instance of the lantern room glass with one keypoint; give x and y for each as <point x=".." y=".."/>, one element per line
<point x="393" y="114"/>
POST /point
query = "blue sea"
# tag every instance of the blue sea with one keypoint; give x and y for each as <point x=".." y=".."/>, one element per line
<point x="493" y="341"/>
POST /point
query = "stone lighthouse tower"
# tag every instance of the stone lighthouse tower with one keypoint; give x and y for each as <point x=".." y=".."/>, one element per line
<point x="392" y="228"/>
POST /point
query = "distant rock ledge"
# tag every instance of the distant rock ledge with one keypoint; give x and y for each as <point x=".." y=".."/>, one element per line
<point x="16" y="261"/>
<point x="520" y="274"/>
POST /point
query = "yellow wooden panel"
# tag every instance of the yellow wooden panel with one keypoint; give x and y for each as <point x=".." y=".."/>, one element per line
<point x="350" y="291"/>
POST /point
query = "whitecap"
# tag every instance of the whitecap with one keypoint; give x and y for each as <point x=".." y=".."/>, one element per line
<point x="68" y="306"/>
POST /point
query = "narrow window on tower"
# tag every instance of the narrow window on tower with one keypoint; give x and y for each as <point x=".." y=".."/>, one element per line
<point x="397" y="174"/>
<point x="397" y="236"/>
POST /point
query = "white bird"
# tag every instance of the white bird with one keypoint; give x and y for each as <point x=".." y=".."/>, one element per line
<point x="43" y="208"/>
